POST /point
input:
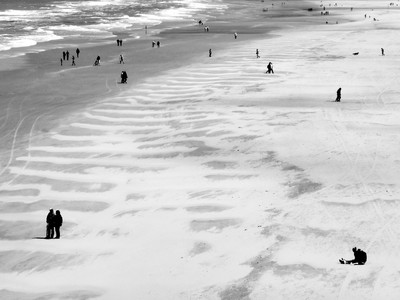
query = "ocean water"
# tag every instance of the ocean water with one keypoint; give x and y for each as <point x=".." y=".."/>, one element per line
<point x="25" y="23"/>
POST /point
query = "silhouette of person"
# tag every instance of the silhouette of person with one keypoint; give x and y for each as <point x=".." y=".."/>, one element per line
<point x="270" y="68"/>
<point x="209" y="53"/>
<point x="73" y="61"/>
<point x="58" y="220"/>
<point x="257" y="53"/>
<point x="61" y="60"/>
<point x="383" y="51"/>
<point x="121" y="59"/>
<point x="235" y="35"/>
<point x="120" y="43"/>
<point x="153" y="43"/>
<point x="50" y="224"/>
<point x="67" y="53"/>
<point x="77" y="52"/>
<point x="117" y="42"/>
<point x="64" y="55"/>
<point x="158" y="44"/>
<point x="124" y="77"/>
<point x="360" y="258"/>
<point x="98" y="59"/>
<point x="338" y="95"/>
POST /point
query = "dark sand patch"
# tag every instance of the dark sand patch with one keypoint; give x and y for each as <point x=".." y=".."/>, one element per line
<point x="191" y="134"/>
<point x="236" y="292"/>
<point x="22" y="230"/>
<point x="75" y="295"/>
<point x="85" y="206"/>
<point x="199" y="247"/>
<point x="218" y="133"/>
<point x="290" y="167"/>
<point x="135" y="197"/>
<point x="218" y="225"/>
<point x="217" y="164"/>
<point x="242" y="138"/>
<point x="303" y="186"/>
<point x="207" y="208"/>
<point x="21" y="261"/>
<point x="21" y="192"/>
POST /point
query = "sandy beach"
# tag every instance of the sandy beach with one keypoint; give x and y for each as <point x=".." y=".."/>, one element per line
<point x="204" y="177"/>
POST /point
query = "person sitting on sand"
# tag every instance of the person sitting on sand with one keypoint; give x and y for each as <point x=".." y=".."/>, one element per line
<point x="270" y="68"/>
<point x="338" y="95"/>
<point x="360" y="258"/>
<point x="97" y="61"/>
<point x="50" y="224"/>
<point x="58" y="220"/>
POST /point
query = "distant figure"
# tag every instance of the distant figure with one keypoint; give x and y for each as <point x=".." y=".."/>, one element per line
<point x="356" y="53"/>
<point x="97" y="61"/>
<point x="360" y="258"/>
<point x="257" y="53"/>
<point x="67" y="53"/>
<point x="58" y="220"/>
<point x="153" y="44"/>
<point x="120" y="43"/>
<point x="121" y="59"/>
<point x="383" y="51"/>
<point x="209" y="53"/>
<point x="124" y="77"/>
<point x="64" y="55"/>
<point x="61" y="60"/>
<point x="117" y="43"/>
<point x="270" y="69"/>
<point x="77" y="52"/>
<point x="365" y="16"/>
<point x="73" y="61"/>
<point x="235" y="35"/>
<point x="50" y="224"/>
<point x="200" y="22"/>
<point x="338" y="95"/>
<point x="158" y="44"/>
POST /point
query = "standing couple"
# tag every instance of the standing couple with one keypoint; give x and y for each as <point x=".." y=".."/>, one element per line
<point x="54" y="221"/>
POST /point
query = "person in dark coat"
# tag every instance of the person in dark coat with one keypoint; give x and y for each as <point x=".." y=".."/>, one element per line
<point x="50" y="224"/>
<point x="58" y="220"/>
<point x="338" y="95"/>
<point x="360" y="258"/>
<point x="77" y="52"/>
<point x="67" y="53"/>
<point x="124" y="77"/>
<point x="64" y="55"/>
<point x="270" y="68"/>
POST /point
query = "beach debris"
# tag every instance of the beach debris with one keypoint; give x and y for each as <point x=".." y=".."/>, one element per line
<point x="356" y="53"/>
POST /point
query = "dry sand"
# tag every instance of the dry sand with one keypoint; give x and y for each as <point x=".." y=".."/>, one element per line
<point x="205" y="178"/>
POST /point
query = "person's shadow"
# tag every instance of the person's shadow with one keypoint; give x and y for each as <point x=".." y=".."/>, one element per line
<point x="39" y="238"/>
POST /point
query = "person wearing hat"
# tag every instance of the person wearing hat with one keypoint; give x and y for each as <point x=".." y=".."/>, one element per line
<point x="360" y="258"/>
<point x="50" y="224"/>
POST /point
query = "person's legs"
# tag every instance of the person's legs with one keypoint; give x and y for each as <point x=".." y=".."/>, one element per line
<point x="47" y="231"/>
<point x="57" y="232"/>
<point x="51" y="232"/>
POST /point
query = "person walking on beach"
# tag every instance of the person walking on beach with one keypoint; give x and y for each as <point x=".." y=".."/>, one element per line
<point x="58" y="220"/>
<point x="73" y="61"/>
<point x="360" y="258"/>
<point x="120" y="43"/>
<point x="158" y="44"/>
<point x="235" y="35"/>
<point x="77" y="52"/>
<point x="50" y="224"/>
<point x="124" y="77"/>
<point x="257" y="53"/>
<point x="67" y="53"/>
<point x="338" y="95"/>
<point x="61" y="60"/>
<point x="117" y="43"/>
<point x="383" y="51"/>
<point x="64" y="55"/>
<point x="209" y="53"/>
<point x="270" y="68"/>
<point x="153" y="44"/>
<point x="121" y="59"/>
